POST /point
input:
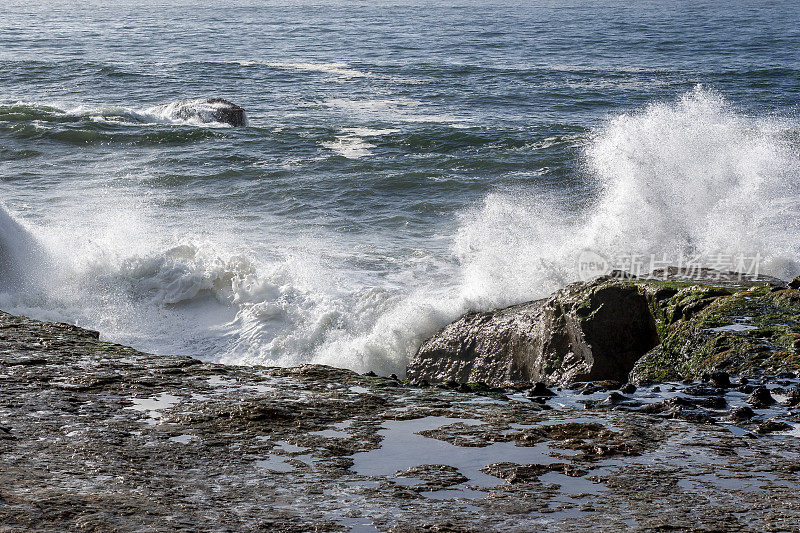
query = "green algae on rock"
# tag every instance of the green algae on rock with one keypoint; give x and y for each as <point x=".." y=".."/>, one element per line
<point x="670" y="326"/>
<point x="741" y="331"/>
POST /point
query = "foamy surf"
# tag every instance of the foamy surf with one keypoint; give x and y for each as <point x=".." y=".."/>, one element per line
<point x="691" y="176"/>
<point x="197" y="112"/>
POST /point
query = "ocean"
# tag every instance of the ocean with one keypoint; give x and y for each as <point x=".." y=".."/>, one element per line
<point x="403" y="162"/>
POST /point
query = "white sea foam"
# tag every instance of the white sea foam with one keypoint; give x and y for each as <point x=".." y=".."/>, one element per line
<point x="394" y="110"/>
<point x="351" y="143"/>
<point x="694" y="176"/>
<point x="349" y="146"/>
<point x="198" y="112"/>
<point x="339" y="69"/>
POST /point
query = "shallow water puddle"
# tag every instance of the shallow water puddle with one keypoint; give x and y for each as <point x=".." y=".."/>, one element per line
<point x="402" y="448"/>
<point x="184" y="439"/>
<point x="280" y="454"/>
<point x="154" y="405"/>
<point x="359" y="525"/>
<point x="274" y="463"/>
<point x="736" y="328"/>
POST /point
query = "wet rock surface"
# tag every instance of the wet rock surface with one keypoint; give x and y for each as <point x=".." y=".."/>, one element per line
<point x="208" y="110"/>
<point x="583" y="332"/>
<point x="99" y="437"/>
<point x="671" y="326"/>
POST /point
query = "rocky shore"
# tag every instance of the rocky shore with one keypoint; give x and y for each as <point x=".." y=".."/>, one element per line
<point x="660" y="405"/>
<point x="673" y="325"/>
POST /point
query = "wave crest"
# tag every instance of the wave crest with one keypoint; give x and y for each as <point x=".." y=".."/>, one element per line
<point x="677" y="179"/>
<point x="690" y="176"/>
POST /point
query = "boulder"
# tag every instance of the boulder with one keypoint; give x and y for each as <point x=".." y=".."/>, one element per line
<point x="585" y="332"/>
<point x="667" y="327"/>
<point x="761" y="398"/>
<point x="795" y="283"/>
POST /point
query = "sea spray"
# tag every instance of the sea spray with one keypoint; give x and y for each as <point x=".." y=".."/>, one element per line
<point x="697" y="176"/>
<point x="24" y="264"/>
<point x="689" y="176"/>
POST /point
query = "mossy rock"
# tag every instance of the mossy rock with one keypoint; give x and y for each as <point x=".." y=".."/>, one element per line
<point x="706" y="328"/>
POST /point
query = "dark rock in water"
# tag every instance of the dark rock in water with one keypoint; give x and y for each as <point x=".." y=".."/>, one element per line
<point x="434" y="477"/>
<point x="746" y="389"/>
<point x="693" y="415"/>
<point x="700" y="390"/>
<point x="739" y="414"/>
<point x="615" y="398"/>
<point x="681" y="401"/>
<point x="717" y="402"/>
<point x="772" y="425"/>
<point x="584" y="332"/>
<point x="720" y="379"/>
<point x="208" y="110"/>
<point x="793" y="397"/>
<point x="628" y="388"/>
<point x="761" y="398"/>
<point x="540" y="389"/>
<point x="542" y="400"/>
<point x="684" y="404"/>
<point x="795" y="283"/>
<point x="656" y="389"/>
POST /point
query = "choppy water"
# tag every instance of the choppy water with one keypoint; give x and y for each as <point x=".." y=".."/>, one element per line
<point x="402" y="162"/>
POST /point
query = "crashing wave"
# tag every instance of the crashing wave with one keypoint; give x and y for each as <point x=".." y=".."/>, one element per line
<point x="690" y="176"/>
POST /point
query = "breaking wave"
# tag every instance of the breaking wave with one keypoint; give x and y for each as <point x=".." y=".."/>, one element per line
<point x="692" y="176"/>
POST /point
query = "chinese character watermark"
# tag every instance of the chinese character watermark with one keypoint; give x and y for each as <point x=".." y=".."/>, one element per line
<point x="731" y="266"/>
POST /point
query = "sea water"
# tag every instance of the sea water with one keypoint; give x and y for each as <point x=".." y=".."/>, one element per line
<point x="403" y="162"/>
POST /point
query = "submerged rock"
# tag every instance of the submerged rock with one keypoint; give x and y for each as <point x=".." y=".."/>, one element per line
<point x="615" y="398"/>
<point x="738" y="414"/>
<point x="793" y="397"/>
<point x="761" y="398"/>
<point x="772" y="425"/>
<point x="205" y="111"/>
<point x="540" y="389"/>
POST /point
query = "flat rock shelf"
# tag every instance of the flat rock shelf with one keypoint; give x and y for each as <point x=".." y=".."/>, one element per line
<point x="100" y="437"/>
